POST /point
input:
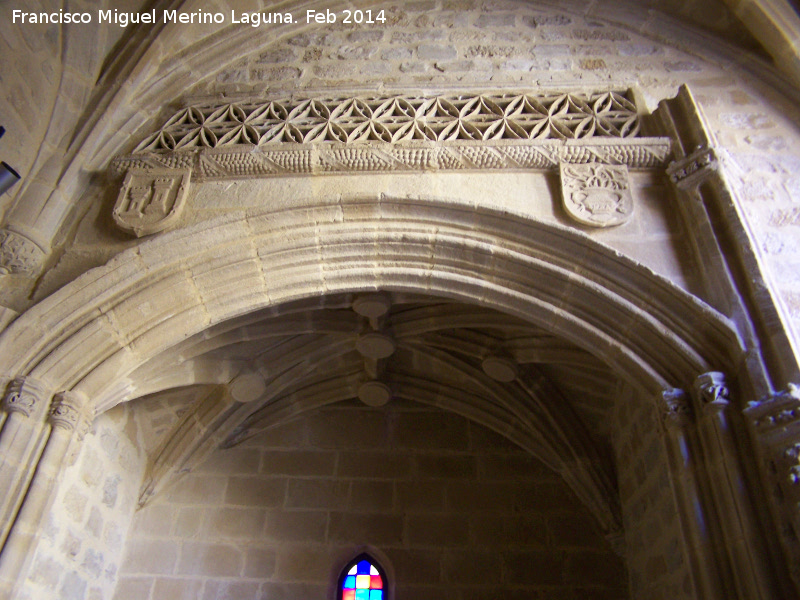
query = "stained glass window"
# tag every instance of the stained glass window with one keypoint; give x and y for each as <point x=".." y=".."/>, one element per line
<point x="362" y="579"/>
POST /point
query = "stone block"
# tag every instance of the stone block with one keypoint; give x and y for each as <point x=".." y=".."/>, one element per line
<point x="302" y="563"/>
<point x="446" y="466"/>
<point x="199" y="489"/>
<point x="301" y="525"/>
<point x="489" y="497"/>
<point x="371" y="496"/>
<point x="73" y="587"/>
<point x="211" y="560"/>
<point x="373" y="465"/>
<point x="232" y="461"/>
<point x="234" y="523"/>
<point x="348" y="429"/>
<point x="230" y="590"/>
<point x="416" y="566"/>
<point x="419" y="496"/>
<point x="259" y="562"/>
<point x="173" y="588"/>
<point x="188" y="521"/>
<point x="253" y="491"/>
<point x="430" y="430"/>
<point x="437" y="530"/>
<point x="534" y="568"/>
<point x="133" y="587"/>
<point x="154" y="520"/>
<point x="436" y="52"/>
<point x="156" y="557"/>
<point x="292" y="591"/>
<point x="604" y="569"/>
<point x="360" y="528"/>
<point x="317" y="493"/>
<point x="299" y="463"/>
<point x="462" y="567"/>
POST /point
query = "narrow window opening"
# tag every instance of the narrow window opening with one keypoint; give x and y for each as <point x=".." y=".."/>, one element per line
<point x="362" y="579"/>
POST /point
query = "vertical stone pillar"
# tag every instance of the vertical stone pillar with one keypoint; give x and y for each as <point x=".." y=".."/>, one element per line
<point x="69" y="418"/>
<point x="21" y="439"/>
<point x="775" y="424"/>
<point x="678" y="425"/>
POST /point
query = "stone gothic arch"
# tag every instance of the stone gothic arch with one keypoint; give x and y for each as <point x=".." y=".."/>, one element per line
<point x="426" y="253"/>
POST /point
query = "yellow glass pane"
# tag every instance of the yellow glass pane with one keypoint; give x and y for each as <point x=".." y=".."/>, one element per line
<point x="362" y="582"/>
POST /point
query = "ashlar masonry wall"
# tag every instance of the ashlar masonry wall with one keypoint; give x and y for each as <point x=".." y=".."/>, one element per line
<point x="453" y="509"/>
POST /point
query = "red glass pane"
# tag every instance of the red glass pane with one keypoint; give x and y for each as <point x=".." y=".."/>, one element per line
<point x="348" y="595"/>
<point x="376" y="583"/>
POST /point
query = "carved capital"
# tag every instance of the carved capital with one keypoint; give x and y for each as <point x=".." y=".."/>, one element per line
<point x="711" y="391"/>
<point x="19" y="255"/>
<point x="697" y="165"/>
<point x="23" y="396"/>
<point x="677" y="410"/>
<point x="71" y="411"/>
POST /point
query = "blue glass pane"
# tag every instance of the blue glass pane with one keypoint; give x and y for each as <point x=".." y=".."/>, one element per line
<point x="349" y="582"/>
<point x="362" y="594"/>
<point x="376" y="595"/>
<point x="363" y="567"/>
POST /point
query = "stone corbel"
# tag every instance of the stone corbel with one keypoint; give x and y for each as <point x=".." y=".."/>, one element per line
<point x="71" y="412"/>
<point x="24" y="396"/>
<point x="711" y="392"/>
<point x="690" y="171"/>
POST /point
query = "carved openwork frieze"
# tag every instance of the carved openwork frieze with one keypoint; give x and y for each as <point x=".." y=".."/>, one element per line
<point x="399" y="133"/>
<point x="23" y="395"/>
<point x="597" y="195"/>
<point x="18" y="254"/>
<point x="150" y="201"/>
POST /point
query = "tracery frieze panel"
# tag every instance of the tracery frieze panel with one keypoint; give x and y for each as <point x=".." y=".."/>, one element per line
<point x="398" y="133"/>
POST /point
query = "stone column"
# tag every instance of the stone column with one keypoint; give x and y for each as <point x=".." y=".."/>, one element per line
<point x="678" y="424"/>
<point x="21" y="439"/>
<point x="69" y="417"/>
<point x="775" y="424"/>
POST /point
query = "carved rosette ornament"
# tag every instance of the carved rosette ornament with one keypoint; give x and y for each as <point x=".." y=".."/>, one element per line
<point x="597" y="195"/>
<point x="70" y="411"/>
<point x="19" y="255"/>
<point x="151" y="201"/>
<point x="22" y="396"/>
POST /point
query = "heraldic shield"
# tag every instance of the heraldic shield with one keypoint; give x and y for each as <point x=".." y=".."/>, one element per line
<point x="151" y="201"/>
<point x="597" y="195"/>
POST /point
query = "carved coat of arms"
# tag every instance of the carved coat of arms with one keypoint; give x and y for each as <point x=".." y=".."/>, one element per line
<point x="595" y="194"/>
<point x="150" y="201"/>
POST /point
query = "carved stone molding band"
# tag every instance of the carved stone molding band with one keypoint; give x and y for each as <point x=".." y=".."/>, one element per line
<point x="70" y="411"/>
<point x="18" y="254"/>
<point x="399" y="133"/>
<point x="596" y="195"/>
<point x="22" y="396"/>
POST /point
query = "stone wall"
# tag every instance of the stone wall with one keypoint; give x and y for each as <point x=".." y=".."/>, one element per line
<point x="455" y="511"/>
<point x="82" y="540"/>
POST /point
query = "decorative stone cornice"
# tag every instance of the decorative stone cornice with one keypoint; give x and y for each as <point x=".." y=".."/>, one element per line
<point x="23" y="395"/>
<point x="399" y="133"/>
<point x="70" y="411"/>
<point x="776" y="415"/>
<point x="18" y="254"/>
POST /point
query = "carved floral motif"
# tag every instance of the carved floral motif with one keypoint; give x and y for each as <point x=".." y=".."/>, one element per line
<point x="597" y="195"/>
<point x="69" y="411"/>
<point x="18" y="254"/>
